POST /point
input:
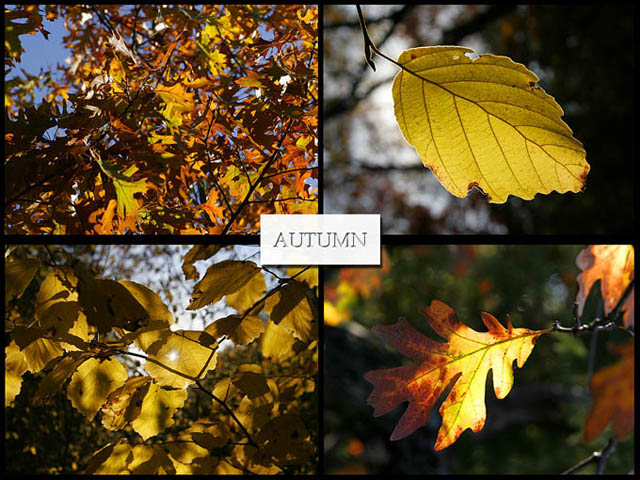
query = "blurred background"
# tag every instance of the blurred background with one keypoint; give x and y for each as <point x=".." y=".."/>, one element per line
<point x="584" y="57"/>
<point x="537" y="428"/>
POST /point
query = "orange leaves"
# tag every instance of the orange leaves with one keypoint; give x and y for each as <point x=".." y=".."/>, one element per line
<point x="181" y="110"/>
<point x="613" y="265"/>
<point x="612" y="391"/>
<point x="463" y="363"/>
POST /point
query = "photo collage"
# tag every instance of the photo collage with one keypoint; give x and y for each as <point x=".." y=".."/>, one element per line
<point x="319" y="239"/>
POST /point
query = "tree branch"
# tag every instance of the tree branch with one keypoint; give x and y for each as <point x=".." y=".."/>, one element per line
<point x="599" y="457"/>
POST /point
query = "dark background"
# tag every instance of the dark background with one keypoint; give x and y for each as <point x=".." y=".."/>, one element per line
<point x="536" y="429"/>
<point x="584" y="56"/>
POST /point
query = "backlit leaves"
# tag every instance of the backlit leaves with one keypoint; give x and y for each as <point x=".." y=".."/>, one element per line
<point x="178" y="97"/>
<point x="463" y="362"/>
<point x="102" y="374"/>
<point x="222" y="279"/>
<point x="158" y="408"/>
<point x="92" y="383"/>
<point x="178" y="359"/>
<point x="614" y="266"/>
<point x="482" y="121"/>
<point x="612" y="397"/>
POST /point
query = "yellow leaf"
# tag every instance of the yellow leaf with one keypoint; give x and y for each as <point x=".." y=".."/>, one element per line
<point x="222" y="279"/>
<point x="92" y="383"/>
<point x="56" y="378"/>
<point x="252" y="384"/>
<point x="290" y="308"/>
<point x="252" y="79"/>
<point x="112" y="458"/>
<point x="157" y="411"/>
<point x="17" y="276"/>
<point x="117" y="411"/>
<point x="308" y="276"/>
<point x="247" y="295"/>
<point x="127" y="204"/>
<point x="60" y="285"/>
<point x="240" y="331"/>
<point x="276" y="341"/>
<point x="14" y="368"/>
<point x="286" y="439"/>
<point x="197" y="252"/>
<point x="179" y="358"/>
<point x="482" y="122"/>
<point x="36" y="351"/>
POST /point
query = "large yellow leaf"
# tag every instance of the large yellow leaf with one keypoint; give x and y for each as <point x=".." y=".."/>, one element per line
<point x="157" y="410"/>
<point x="240" y="330"/>
<point x="290" y="308"/>
<point x="17" y="275"/>
<point x="118" y="410"/>
<point x="464" y="362"/>
<point x="92" y="383"/>
<point x="14" y="367"/>
<point x="222" y="279"/>
<point x="179" y="358"/>
<point x="481" y="121"/>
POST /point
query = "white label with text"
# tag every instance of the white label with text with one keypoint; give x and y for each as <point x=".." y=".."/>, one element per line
<point x="320" y="239"/>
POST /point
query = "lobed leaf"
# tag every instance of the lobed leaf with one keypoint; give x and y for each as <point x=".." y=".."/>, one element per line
<point x="462" y="363"/>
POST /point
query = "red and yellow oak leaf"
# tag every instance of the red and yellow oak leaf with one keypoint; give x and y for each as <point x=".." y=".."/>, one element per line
<point x="613" y="398"/>
<point x="463" y="363"/>
<point x="613" y="265"/>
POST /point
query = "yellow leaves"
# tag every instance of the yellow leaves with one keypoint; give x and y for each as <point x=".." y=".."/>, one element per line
<point x="463" y="362"/>
<point x="14" y="368"/>
<point x="240" y="330"/>
<point x="126" y="188"/>
<point x="157" y="410"/>
<point x="612" y="391"/>
<point x="118" y="410"/>
<point x="177" y="101"/>
<point x="113" y="458"/>
<point x="286" y="439"/>
<point x="178" y="359"/>
<point x="290" y="308"/>
<point x="614" y="266"/>
<point x="92" y="383"/>
<point x="481" y="121"/>
<point x="252" y="79"/>
<point x="222" y="279"/>
<point x="17" y="276"/>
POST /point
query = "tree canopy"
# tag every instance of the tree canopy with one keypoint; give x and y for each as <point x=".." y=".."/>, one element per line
<point x="166" y="119"/>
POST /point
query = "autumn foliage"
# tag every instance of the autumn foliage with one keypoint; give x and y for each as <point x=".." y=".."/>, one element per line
<point x="166" y="120"/>
<point x="461" y="363"/>
<point x="84" y="333"/>
<point x="455" y="369"/>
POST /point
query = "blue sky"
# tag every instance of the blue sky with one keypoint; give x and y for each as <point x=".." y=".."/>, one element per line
<point x="40" y="53"/>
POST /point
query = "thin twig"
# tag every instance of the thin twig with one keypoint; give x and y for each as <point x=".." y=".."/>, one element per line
<point x="229" y="411"/>
<point x="599" y="457"/>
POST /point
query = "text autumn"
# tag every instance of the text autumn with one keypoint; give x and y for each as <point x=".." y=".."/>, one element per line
<point x="320" y="239"/>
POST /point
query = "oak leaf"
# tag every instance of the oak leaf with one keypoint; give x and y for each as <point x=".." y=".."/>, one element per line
<point x="612" y="390"/>
<point x="479" y="120"/>
<point x="613" y="265"/>
<point x="463" y="362"/>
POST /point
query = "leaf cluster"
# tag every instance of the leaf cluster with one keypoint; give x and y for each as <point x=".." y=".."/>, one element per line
<point x="254" y="413"/>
